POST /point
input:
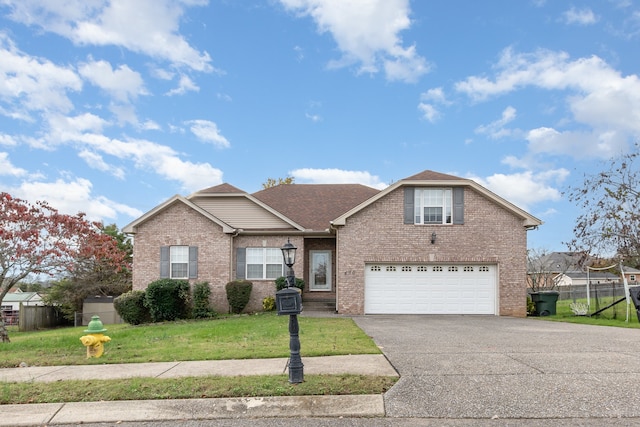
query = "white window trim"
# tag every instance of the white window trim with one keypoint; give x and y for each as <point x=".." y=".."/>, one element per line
<point x="172" y="262"/>
<point x="264" y="264"/>
<point x="420" y="205"/>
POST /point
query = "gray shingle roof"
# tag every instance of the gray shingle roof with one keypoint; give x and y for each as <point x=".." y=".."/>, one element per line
<point x="314" y="205"/>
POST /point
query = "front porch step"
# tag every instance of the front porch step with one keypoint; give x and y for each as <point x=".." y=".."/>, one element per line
<point x="318" y="305"/>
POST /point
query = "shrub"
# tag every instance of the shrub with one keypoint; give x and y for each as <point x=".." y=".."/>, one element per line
<point x="531" y="307"/>
<point x="201" y="306"/>
<point x="269" y="303"/>
<point x="130" y="307"/>
<point x="167" y="299"/>
<point x="238" y="294"/>
<point x="281" y="283"/>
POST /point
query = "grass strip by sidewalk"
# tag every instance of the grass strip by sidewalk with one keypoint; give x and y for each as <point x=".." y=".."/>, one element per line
<point x="190" y="388"/>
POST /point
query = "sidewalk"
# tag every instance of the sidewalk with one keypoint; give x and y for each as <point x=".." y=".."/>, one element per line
<point x="149" y="410"/>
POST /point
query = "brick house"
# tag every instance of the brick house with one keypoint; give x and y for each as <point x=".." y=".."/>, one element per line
<point x="430" y="243"/>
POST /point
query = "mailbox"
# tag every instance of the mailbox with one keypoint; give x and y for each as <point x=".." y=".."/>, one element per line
<point x="288" y="301"/>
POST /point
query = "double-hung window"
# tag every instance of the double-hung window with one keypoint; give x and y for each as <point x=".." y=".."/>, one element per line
<point x="179" y="262"/>
<point x="179" y="256"/>
<point x="433" y="205"/>
<point x="264" y="263"/>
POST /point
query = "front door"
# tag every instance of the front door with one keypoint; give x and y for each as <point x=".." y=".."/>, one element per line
<point x="320" y="274"/>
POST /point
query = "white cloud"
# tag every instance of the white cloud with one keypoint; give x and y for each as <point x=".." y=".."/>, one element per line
<point x="526" y="188"/>
<point x="184" y="85"/>
<point x="336" y="176"/>
<point x="428" y="109"/>
<point x="149" y="27"/>
<point x="71" y="197"/>
<point x="96" y="161"/>
<point x="367" y="34"/>
<point x="435" y="95"/>
<point x="160" y="159"/>
<point x="123" y="83"/>
<point x="208" y="131"/>
<point x="429" y="112"/>
<point x="496" y="129"/>
<point x="8" y="169"/>
<point x="7" y="140"/>
<point x="604" y="104"/>
<point x="580" y="16"/>
<point x="313" y="117"/>
<point x="33" y="84"/>
<point x="125" y="113"/>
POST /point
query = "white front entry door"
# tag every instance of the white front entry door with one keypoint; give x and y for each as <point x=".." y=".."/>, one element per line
<point x="320" y="272"/>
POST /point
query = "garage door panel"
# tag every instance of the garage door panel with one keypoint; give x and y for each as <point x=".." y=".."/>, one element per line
<point x="430" y="289"/>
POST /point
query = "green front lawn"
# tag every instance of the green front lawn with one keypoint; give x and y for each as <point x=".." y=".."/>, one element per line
<point x="258" y="336"/>
<point x="264" y="335"/>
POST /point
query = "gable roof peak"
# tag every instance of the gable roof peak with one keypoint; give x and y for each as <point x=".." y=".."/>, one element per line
<point x="223" y="188"/>
<point x="429" y="175"/>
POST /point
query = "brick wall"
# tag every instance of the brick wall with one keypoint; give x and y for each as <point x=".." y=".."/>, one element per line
<point x="490" y="234"/>
<point x="181" y="225"/>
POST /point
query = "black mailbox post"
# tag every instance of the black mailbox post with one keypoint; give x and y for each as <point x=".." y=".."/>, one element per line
<point x="289" y="301"/>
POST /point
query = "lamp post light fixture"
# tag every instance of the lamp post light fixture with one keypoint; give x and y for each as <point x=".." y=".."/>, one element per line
<point x="289" y="301"/>
<point x="289" y="255"/>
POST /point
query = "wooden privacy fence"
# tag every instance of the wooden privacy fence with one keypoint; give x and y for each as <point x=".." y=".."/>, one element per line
<point x="34" y="317"/>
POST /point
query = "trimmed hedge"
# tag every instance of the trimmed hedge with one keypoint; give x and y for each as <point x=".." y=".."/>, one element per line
<point x="168" y="299"/>
<point x="238" y="294"/>
<point x="281" y="283"/>
<point x="130" y="307"/>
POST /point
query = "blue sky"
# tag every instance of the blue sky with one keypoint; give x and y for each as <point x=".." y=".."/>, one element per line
<point x="112" y="107"/>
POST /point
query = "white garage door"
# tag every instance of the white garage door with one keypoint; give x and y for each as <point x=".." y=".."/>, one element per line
<point x="430" y="289"/>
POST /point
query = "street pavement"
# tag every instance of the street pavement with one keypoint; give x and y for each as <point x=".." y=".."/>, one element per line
<point x="454" y="371"/>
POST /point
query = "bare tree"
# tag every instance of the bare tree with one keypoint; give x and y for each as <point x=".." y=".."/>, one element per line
<point x="275" y="182"/>
<point x="610" y="202"/>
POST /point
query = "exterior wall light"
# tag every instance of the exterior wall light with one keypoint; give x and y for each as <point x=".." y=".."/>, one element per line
<point x="433" y="238"/>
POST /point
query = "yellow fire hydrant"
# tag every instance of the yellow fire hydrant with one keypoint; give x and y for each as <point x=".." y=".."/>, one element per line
<point x="96" y="339"/>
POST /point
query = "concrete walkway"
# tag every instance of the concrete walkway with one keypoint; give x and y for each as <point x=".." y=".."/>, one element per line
<point x="148" y="410"/>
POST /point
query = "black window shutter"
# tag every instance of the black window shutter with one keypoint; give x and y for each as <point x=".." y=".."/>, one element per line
<point x="458" y="205"/>
<point x="193" y="262"/>
<point x="241" y="260"/>
<point x="409" y="211"/>
<point x="164" y="262"/>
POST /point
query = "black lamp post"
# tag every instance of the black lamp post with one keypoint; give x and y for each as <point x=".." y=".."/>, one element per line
<point x="288" y="301"/>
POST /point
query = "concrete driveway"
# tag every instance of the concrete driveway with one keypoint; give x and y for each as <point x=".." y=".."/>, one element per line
<point x="487" y="367"/>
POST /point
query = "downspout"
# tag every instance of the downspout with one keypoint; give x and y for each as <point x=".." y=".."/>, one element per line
<point x="334" y="229"/>
<point x="231" y="252"/>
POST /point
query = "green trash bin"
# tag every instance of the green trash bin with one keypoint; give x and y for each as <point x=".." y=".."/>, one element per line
<point x="545" y="302"/>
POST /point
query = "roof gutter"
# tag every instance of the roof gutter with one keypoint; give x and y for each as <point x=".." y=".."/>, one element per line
<point x="285" y="232"/>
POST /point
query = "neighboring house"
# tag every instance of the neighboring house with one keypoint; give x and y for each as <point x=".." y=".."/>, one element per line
<point x="430" y="243"/>
<point x="632" y="275"/>
<point x="570" y="269"/>
<point x="11" y="304"/>
<point x="552" y="269"/>
<point x="580" y="278"/>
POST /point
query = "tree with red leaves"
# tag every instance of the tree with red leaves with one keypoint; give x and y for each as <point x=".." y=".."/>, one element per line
<point x="36" y="239"/>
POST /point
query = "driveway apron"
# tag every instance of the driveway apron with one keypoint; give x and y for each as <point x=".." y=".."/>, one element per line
<point x="507" y="368"/>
